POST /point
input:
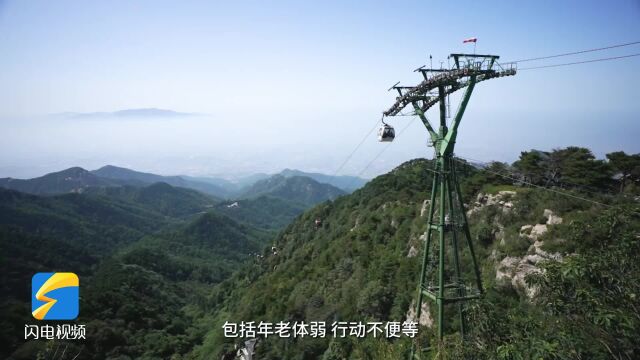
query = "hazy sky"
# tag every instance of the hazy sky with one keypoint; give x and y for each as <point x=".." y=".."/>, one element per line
<point x="298" y="84"/>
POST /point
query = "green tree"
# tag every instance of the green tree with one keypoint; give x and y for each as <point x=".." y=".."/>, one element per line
<point x="577" y="166"/>
<point x="531" y="165"/>
<point x="627" y="165"/>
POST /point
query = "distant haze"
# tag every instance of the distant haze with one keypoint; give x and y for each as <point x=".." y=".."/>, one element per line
<point x="232" y="88"/>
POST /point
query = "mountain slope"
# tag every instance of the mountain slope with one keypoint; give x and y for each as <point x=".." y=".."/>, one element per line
<point x="298" y="189"/>
<point x="161" y="197"/>
<point x="78" y="180"/>
<point x="153" y="285"/>
<point x="79" y="219"/>
<point x="362" y="265"/>
<point x="345" y="183"/>
<point x="128" y="175"/>
<point x="348" y="269"/>
<point x="142" y="269"/>
<point x="74" y="179"/>
<point x="264" y="212"/>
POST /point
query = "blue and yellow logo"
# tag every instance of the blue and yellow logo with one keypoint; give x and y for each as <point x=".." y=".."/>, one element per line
<point x="55" y="296"/>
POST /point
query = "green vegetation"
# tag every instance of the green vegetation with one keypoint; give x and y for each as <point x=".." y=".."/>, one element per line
<point x="346" y="183"/>
<point x="628" y="166"/>
<point x="146" y="258"/>
<point x="132" y="177"/>
<point x="162" y="197"/>
<point x="265" y="211"/>
<point x="355" y="268"/>
<point x="588" y="301"/>
<point x="162" y="268"/>
<point x="298" y="189"/>
<point x="576" y="167"/>
<point x="70" y="180"/>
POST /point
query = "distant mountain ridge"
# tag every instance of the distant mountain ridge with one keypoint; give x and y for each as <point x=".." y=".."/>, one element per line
<point x="274" y="202"/>
<point x="124" y="174"/>
<point x="74" y="179"/>
<point x="344" y="182"/>
<point x="299" y="189"/>
<point x="161" y="197"/>
<point x="77" y="179"/>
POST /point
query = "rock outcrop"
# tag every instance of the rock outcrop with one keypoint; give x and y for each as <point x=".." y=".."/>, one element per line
<point x="552" y="219"/>
<point x="512" y="270"/>
<point x="425" y="314"/>
<point x="502" y="198"/>
<point x="412" y="252"/>
<point x="425" y="207"/>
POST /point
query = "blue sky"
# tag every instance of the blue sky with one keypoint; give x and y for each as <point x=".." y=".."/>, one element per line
<point x="298" y="84"/>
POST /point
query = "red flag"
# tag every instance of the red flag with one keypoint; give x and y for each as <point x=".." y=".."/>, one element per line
<point x="469" y="40"/>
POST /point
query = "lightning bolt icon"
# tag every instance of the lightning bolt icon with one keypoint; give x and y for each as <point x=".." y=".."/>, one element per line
<point x="56" y="281"/>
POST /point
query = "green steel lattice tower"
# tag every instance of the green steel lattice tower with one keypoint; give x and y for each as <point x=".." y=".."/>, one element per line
<point x="444" y="277"/>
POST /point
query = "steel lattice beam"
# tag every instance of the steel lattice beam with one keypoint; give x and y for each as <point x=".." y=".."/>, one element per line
<point x="467" y="72"/>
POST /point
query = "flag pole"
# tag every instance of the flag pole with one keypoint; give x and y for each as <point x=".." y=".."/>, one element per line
<point x="474" y="40"/>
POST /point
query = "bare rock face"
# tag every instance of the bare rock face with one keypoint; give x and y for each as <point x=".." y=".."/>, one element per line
<point x="413" y="252"/>
<point x="523" y="269"/>
<point x="506" y="269"/>
<point x="425" y="207"/>
<point x="538" y="230"/>
<point x="499" y="235"/>
<point x="526" y="229"/>
<point x="501" y="199"/>
<point x="425" y="314"/>
<point x="536" y="248"/>
<point x="552" y="219"/>
<point x="494" y="255"/>
<point x="512" y="271"/>
<point x="355" y="226"/>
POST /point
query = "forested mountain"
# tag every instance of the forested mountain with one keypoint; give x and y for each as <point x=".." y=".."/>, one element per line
<point x="345" y="183"/>
<point x="159" y="277"/>
<point x="155" y="288"/>
<point x="162" y="197"/>
<point x="77" y="179"/>
<point x="551" y="264"/>
<point x="132" y="176"/>
<point x="99" y="224"/>
<point x="297" y="189"/>
<point x="74" y="179"/>
<point x="266" y="212"/>
<point x="143" y="252"/>
<point x="272" y="203"/>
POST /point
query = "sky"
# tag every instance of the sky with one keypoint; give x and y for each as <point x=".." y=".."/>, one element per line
<point x="298" y="84"/>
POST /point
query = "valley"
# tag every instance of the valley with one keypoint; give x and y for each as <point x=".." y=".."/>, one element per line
<point x="319" y="180"/>
<point x="136" y="240"/>
<point x="163" y="267"/>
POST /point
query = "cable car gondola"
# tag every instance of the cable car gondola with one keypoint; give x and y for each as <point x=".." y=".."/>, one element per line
<point x="386" y="133"/>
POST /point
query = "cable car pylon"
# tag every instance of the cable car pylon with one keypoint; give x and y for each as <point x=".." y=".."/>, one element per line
<point x="444" y="279"/>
